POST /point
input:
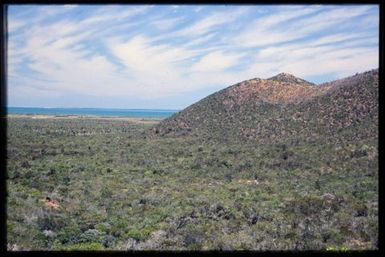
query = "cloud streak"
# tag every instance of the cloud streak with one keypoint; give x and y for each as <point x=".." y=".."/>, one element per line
<point x="159" y="52"/>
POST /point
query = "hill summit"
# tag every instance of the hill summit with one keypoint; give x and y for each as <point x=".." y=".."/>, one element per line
<point x="282" y="107"/>
<point x="286" y="77"/>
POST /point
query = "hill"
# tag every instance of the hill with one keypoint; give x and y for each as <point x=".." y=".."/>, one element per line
<point x="282" y="107"/>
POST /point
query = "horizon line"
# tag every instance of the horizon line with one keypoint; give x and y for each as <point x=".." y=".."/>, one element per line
<point x="112" y="108"/>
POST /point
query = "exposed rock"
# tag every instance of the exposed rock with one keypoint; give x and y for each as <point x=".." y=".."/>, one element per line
<point x="14" y="247"/>
<point x="328" y="197"/>
<point x="131" y="244"/>
<point x="49" y="233"/>
<point x="153" y="242"/>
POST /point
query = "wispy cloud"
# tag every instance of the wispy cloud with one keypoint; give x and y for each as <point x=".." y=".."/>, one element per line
<point x="285" y="26"/>
<point x="216" y="61"/>
<point x="211" y="21"/>
<point x="158" y="52"/>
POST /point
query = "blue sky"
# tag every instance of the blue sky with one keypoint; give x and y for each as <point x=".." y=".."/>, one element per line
<point x="168" y="57"/>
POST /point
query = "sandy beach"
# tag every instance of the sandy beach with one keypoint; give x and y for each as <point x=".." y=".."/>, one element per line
<point x="145" y="120"/>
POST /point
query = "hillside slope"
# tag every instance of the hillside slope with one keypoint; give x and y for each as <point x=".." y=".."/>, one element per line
<point x="281" y="108"/>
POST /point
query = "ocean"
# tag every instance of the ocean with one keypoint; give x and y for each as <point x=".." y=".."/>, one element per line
<point x="101" y="112"/>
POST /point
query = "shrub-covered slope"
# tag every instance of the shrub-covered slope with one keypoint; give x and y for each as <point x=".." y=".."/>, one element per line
<point x="281" y="107"/>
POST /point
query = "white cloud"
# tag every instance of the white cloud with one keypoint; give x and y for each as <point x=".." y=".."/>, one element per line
<point x="293" y="24"/>
<point x="113" y="14"/>
<point x="138" y="54"/>
<point x="209" y="22"/>
<point x="197" y="42"/>
<point x="159" y="69"/>
<point x="14" y="25"/>
<point x="310" y="60"/>
<point x="268" y="28"/>
<point x="215" y="61"/>
<point x="326" y="19"/>
<point x="70" y="6"/>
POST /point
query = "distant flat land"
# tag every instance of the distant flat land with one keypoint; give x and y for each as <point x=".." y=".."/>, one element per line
<point x="145" y="120"/>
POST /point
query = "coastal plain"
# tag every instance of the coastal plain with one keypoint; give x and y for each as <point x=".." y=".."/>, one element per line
<point x="104" y="184"/>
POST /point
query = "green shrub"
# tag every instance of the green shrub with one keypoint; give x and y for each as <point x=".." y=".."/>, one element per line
<point x="91" y="235"/>
<point x="80" y="247"/>
<point x="136" y="233"/>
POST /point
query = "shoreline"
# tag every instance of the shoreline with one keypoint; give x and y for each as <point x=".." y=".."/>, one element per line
<point x="146" y="120"/>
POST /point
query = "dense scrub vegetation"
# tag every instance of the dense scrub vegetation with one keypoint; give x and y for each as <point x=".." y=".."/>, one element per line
<point x="89" y="184"/>
<point x="278" y="164"/>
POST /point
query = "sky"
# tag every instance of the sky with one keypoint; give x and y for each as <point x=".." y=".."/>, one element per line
<point x="170" y="56"/>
